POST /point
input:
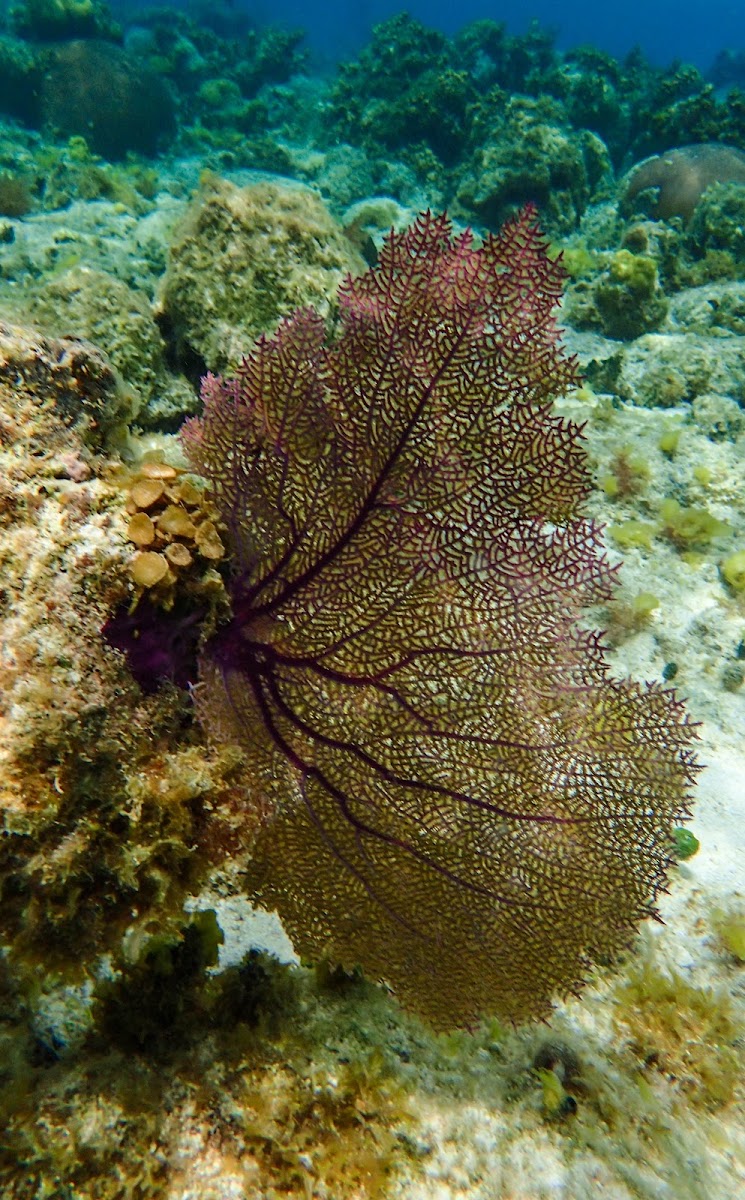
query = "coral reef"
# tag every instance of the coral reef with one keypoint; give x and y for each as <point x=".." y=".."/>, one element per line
<point x="373" y="95"/>
<point x="146" y="1050"/>
<point x="57" y="20"/>
<point x="523" y="151"/>
<point x="677" y="107"/>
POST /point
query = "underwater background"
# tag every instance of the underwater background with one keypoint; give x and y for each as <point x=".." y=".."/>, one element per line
<point x="341" y="856"/>
<point x="693" y="31"/>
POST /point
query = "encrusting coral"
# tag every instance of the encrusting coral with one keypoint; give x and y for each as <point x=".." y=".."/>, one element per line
<point x="457" y="796"/>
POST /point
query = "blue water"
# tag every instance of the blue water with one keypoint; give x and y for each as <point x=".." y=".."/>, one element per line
<point x="694" y="30"/>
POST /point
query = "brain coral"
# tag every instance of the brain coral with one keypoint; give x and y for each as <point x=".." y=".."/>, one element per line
<point x="94" y="89"/>
<point x="682" y="176"/>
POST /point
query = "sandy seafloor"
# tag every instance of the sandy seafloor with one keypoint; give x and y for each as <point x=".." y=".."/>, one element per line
<point x="475" y="1128"/>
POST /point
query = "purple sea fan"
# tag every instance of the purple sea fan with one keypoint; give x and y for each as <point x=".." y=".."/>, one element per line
<point x="461" y="800"/>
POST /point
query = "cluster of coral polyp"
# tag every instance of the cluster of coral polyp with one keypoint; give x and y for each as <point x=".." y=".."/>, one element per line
<point x="175" y="535"/>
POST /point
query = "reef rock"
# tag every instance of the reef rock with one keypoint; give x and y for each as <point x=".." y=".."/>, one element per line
<point x="242" y="259"/>
<point x="68" y="373"/>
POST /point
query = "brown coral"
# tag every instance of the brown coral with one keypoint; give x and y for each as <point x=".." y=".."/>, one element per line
<point x="681" y="177"/>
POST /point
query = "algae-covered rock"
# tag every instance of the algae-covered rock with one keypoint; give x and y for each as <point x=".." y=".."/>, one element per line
<point x="60" y="19"/>
<point x="406" y="89"/>
<point x="661" y="370"/>
<point x="617" y="293"/>
<point x="628" y="297"/>
<point x="19" y="78"/>
<point x="718" y="309"/>
<point x="100" y="792"/>
<point x="68" y="373"/>
<point x="95" y="89"/>
<point x="526" y="152"/>
<point x="718" y="221"/>
<point x="242" y="259"/>
<point x="106" y="311"/>
<point x="719" y="417"/>
<point x="398" y="84"/>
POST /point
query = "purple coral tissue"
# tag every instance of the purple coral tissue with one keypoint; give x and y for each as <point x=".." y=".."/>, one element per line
<point x="460" y="798"/>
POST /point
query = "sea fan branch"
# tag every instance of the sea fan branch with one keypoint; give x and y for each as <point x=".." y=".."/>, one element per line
<point x="459" y="797"/>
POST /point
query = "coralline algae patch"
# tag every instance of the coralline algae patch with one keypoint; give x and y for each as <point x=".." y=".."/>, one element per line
<point x="101" y="794"/>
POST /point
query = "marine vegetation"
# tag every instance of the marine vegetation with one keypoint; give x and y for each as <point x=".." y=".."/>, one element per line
<point x="455" y="794"/>
<point x="59" y="19"/>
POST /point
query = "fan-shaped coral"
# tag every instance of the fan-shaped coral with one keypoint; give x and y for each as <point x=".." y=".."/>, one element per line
<point x="460" y="799"/>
